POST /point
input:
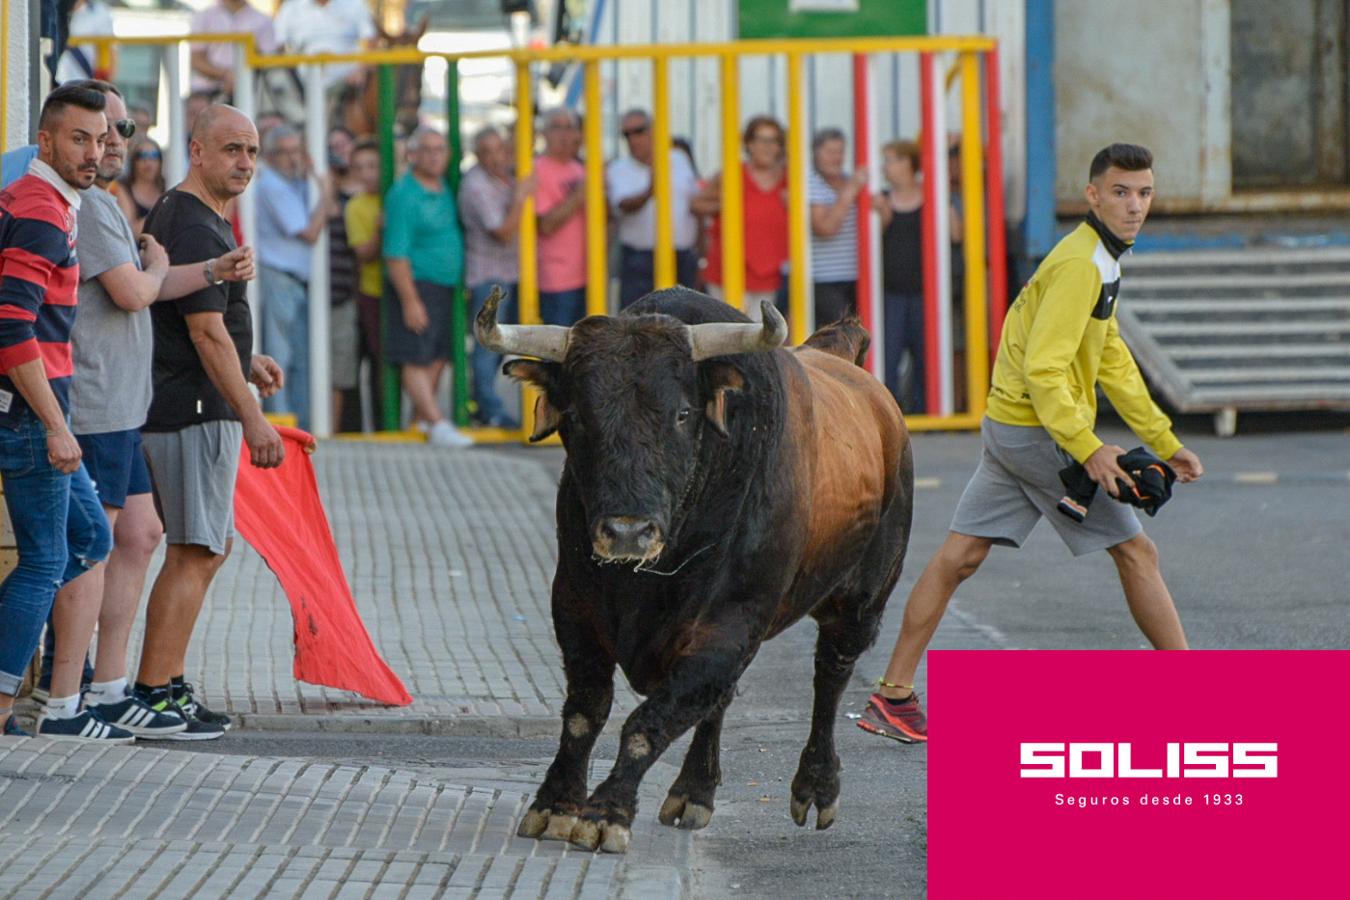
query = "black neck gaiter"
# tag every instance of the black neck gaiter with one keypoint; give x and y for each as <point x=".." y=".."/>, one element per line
<point x="1114" y="245"/>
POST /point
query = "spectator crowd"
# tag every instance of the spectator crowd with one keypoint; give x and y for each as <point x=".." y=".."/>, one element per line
<point x="396" y="259"/>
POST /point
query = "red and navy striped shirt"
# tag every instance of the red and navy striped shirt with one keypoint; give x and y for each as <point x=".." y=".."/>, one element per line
<point x="39" y="278"/>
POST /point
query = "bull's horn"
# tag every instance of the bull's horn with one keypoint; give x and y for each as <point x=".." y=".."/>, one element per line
<point x="724" y="338"/>
<point x="544" y="341"/>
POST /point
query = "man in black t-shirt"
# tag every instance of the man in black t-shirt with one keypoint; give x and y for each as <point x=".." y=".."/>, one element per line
<point x="201" y="409"/>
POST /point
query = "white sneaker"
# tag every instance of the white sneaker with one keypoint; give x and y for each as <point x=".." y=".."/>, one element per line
<point x="443" y="434"/>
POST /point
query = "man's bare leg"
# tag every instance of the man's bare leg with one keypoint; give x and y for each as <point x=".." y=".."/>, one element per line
<point x="171" y="614"/>
<point x="956" y="560"/>
<point x="1147" y="595"/>
<point x="136" y="533"/>
<point x="74" y="614"/>
<point x="420" y="384"/>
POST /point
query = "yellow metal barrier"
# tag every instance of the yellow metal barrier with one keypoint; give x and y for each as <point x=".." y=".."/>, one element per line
<point x="729" y="55"/>
<point x="733" y="203"/>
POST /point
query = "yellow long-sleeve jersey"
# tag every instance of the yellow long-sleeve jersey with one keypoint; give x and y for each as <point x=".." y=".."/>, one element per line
<point x="1060" y="340"/>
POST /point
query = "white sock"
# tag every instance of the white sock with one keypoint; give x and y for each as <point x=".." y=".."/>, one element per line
<point x="101" y="692"/>
<point x="63" y="707"/>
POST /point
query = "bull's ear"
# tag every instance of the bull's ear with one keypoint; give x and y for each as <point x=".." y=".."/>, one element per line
<point x="720" y="378"/>
<point x="543" y="376"/>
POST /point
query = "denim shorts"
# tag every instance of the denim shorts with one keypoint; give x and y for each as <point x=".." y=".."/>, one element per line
<point x="116" y="463"/>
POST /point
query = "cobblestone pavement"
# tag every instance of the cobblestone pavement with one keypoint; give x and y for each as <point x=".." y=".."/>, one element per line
<point x="78" y="821"/>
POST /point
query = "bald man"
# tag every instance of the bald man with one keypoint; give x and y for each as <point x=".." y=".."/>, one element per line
<point x="201" y="408"/>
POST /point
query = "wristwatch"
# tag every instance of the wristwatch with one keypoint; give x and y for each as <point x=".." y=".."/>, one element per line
<point x="209" y="271"/>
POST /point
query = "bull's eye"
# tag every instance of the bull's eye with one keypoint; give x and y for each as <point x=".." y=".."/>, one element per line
<point x="682" y="416"/>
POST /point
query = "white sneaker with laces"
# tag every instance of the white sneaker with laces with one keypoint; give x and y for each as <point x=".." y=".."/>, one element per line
<point x="443" y="434"/>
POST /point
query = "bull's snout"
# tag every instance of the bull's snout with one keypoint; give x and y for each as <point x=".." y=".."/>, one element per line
<point x="627" y="537"/>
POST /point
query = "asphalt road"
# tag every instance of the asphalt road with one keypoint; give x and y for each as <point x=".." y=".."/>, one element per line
<point x="1255" y="555"/>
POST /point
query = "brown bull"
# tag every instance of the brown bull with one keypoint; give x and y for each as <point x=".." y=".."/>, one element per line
<point x="717" y="488"/>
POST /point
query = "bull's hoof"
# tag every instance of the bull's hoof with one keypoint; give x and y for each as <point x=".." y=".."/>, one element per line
<point x="602" y="835"/>
<point x="559" y="827"/>
<point x="679" y="811"/>
<point x="616" y="839"/>
<point x="534" y="823"/>
<point x="825" y="815"/>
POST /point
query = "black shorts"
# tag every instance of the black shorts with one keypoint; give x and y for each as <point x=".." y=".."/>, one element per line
<point x="116" y="463"/>
<point x="433" y="344"/>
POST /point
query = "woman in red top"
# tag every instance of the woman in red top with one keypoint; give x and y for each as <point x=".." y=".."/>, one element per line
<point x="764" y="192"/>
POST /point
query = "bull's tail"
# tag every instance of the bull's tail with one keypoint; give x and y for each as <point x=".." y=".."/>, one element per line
<point x="846" y="339"/>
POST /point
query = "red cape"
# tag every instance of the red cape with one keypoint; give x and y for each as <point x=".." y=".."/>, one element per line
<point x="278" y="511"/>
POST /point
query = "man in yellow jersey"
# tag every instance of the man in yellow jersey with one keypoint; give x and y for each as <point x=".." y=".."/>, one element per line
<point x="1060" y="341"/>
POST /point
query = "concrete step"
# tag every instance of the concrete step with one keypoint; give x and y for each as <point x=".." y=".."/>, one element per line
<point x="1213" y="330"/>
<point x="1258" y="327"/>
<point x="1209" y="306"/>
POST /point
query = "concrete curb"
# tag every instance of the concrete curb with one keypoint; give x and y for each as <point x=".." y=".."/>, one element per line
<point x="436" y="726"/>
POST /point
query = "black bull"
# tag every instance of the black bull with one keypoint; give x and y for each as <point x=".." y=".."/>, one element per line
<point x="717" y="488"/>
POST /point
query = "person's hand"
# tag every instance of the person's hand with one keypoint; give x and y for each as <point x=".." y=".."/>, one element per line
<point x="1103" y="468"/>
<point x="266" y="375"/>
<point x="153" y="254"/>
<point x="356" y="78"/>
<point x="880" y="202"/>
<point x="63" y="451"/>
<point x="415" y="316"/>
<point x="237" y="265"/>
<point x="856" y="184"/>
<point x="1187" y="465"/>
<point x="265" y="449"/>
<point x="227" y="81"/>
<point x="525" y="187"/>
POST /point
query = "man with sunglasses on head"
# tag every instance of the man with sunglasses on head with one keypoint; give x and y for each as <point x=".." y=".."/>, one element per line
<point x="630" y="184"/>
<point x="47" y="490"/>
<point x="120" y="277"/>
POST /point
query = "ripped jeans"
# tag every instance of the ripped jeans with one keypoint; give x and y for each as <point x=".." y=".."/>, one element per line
<point x="60" y="530"/>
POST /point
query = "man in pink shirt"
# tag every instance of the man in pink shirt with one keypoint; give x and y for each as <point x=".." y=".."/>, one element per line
<point x="213" y="62"/>
<point x="559" y="200"/>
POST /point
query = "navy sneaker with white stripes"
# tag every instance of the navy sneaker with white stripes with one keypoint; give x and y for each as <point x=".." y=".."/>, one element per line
<point x="135" y="715"/>
<point x="85" y="727"/>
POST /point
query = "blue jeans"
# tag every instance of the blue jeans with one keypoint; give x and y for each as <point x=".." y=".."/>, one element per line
<point x="286" y="339"/>
<point x="61" y="532"/>
<point x="485" y="363"/>
<point x="905" y="337"/>
<point x="562" y="307"/>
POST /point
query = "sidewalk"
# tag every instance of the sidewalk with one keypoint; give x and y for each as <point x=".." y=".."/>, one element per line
<point x="450" y="557"/>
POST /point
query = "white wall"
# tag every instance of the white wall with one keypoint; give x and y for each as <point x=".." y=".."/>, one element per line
<point x="17" y="46"/>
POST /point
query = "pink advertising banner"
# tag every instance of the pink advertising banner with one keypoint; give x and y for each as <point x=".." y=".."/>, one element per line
<point x="1127" y="774"/>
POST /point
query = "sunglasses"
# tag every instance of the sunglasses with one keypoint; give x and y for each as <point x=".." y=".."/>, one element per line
<point x="638" y="129"/>
<point x="125" y="127"/>
<point x="148" y="154"/>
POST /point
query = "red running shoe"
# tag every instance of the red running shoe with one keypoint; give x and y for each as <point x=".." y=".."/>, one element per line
<point x="904" y="722"/>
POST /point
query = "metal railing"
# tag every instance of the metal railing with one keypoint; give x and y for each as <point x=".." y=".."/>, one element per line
<point x="982" y="209"/>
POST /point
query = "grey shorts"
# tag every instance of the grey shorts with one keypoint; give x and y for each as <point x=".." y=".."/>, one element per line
<point x="194" y="471"/>
<point x="1017" y="482"/>
<point x="343" y="345"/>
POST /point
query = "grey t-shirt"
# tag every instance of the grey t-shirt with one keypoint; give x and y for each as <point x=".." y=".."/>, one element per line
<point x="112" y="348"/>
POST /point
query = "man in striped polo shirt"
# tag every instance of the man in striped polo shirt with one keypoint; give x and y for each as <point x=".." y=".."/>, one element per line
<point x="59" y="526"/>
